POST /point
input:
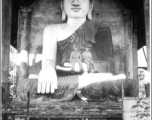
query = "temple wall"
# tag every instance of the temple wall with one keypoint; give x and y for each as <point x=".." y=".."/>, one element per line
<point x="110" y="12"/>
<point x="6" y="38"/>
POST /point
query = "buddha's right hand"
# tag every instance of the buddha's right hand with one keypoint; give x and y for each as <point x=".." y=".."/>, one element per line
<point x="47" y="80"/>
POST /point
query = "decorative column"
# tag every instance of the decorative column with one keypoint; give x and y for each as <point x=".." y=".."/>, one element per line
<point x="6" y="38"/>
<point x="147" y="24"/>
<point x="135" y="49"/>
<point x="23" y="41"/>
<point x="128" y="44"/>
<point x="135" y="55"/>
<point x="135" y="44"/>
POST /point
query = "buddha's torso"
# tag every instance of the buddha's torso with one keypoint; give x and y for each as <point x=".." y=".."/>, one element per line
<point x="72" y="38"/>
<point x="65" y="30"/>
<point x="95" y="36"/>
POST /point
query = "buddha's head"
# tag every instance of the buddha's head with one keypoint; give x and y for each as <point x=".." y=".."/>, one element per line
<point x="76" y="9"/>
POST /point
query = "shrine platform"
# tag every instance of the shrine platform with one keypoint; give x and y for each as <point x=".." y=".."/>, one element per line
<point x="63" y="110"/>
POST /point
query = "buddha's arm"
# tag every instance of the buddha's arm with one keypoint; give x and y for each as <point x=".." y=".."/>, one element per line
<point x="49" y="47"/>
<point x="104" y="39"/>
<point x="47" y="79"/>
<point x="104" y="46"/>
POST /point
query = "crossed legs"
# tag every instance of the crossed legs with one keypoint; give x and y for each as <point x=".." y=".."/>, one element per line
<point x="87" y="79"/>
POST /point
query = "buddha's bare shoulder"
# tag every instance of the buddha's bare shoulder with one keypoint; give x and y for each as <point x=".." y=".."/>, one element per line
<point x="55" y="27"/>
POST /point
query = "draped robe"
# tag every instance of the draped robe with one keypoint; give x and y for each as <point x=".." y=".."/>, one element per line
<point x="95" y="36"/>
<point x="98" y="38"/>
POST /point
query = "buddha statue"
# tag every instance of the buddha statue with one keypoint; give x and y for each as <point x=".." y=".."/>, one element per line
<point x="58" y="43"/>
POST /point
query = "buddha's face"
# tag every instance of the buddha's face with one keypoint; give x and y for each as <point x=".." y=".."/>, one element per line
<point x="76" y="8"/>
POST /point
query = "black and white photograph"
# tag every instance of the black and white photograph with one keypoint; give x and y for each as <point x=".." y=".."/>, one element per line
<point x="76" y="60"/>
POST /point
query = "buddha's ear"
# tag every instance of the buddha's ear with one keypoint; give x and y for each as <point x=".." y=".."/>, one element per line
<point x="63" y="12"/>
<point x="90" y="11"/>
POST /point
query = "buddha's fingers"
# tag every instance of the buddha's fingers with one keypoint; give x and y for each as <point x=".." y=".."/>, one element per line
<point x="52" y="87"/>
<point x="48" y="85"/>
<point x="39" y="87"/>
<point x="43" y="90"/>
<point x="55" y="83"/>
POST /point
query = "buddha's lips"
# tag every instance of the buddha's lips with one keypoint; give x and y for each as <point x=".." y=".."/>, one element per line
<point x="76" y="9"/>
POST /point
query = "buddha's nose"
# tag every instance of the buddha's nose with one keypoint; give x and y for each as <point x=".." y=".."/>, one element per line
<point x="75" y="3"/>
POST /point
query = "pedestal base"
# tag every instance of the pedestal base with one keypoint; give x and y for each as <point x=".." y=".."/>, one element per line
<point x="65" y="110"/>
